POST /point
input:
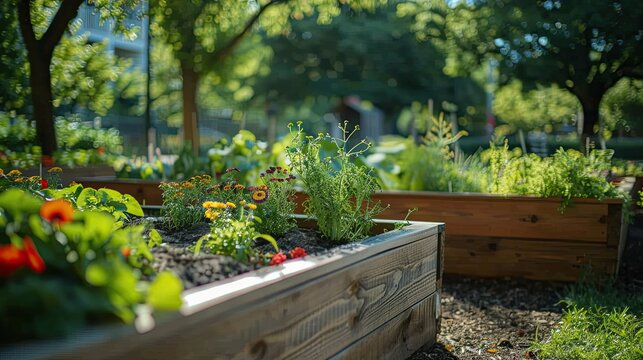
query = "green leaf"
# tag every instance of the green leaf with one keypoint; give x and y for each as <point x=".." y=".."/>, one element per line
<point x="86" y="198"/>
<point x="133" y="207"/>
<point x="165" y="292"/>
<point x="155" y="239"/>
<point x="17" y="202"/>
<point x="269" y="239"/>
<point x="97" y="274"/>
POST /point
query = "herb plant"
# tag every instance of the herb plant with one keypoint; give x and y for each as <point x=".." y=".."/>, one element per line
<point x="182" y="200"/>
<point x="339" y="191"/>
<point x="277" y="206"/>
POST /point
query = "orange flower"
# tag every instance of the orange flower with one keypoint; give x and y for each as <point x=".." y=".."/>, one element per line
<point x="11" y="259"/>
<point x="57" y="211"/>
<point x="55" y="169"/>
<point x="33" y="259"/>
<point x="126" y="251"/>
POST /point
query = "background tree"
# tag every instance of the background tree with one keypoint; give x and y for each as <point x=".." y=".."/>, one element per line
<point x="371" y="54"/>
<point x="208" y="32"/>
<point x="40" y="45"/>
<point x="583" y="47"/>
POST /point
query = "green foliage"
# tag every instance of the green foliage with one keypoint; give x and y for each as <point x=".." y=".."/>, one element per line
<point x="567" y="174"/>
<point x="534" y="109"/>
<point x="182" y="201"/>
<point x="78" y="144"/>
<point x="244" y="153"/>
<point x="339" y="191"/>
<point x="233" y="231"/>
<point x="430" y="165"/>
<point x="81" y="73"/>
<point x="621" y="107"/>
<point x="600" y="322"/>
<point x="584" y="48"/>
<point x="377" y="58"/>
<point x="277" y="209"/>
<point x="89" y="269"/>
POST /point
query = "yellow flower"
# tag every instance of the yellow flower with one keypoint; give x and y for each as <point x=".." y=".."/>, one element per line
<point x="211" y="214"/>
<point x="14" y="173"/>
<point x="208" y="204"/>
<point x="34" y="178"/>
<point x="242" y="202"/>
<point x="20" y="179"/>
<point x="239" y="187"/>
<point x="252" y="206"/>
<point x="259" y="196"/>
<point x="55" y="169"/>
<point x="232" y="205"/>
<point x="1" y="172"/>
<point x="227" y="187"/>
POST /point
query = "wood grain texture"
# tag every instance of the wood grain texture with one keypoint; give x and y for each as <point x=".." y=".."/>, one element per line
<point x="530" y="259"/>
<point x="400" y="337"/>
<point x="299" y="317"/>
<point x="497" y="216"/>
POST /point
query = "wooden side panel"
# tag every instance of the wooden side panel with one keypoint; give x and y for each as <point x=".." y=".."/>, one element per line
<point x="504" y="217"/>
<point x="530" y="259"/>
<point x="496" y="216"/>
<point x="314" y="320"/>
<point x="400" y="337"/>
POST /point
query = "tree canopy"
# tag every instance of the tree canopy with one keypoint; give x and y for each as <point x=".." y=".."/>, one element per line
<point x="580" y="46"/>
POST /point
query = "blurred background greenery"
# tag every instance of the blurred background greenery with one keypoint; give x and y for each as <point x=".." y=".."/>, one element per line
<point x="539" y="73"/>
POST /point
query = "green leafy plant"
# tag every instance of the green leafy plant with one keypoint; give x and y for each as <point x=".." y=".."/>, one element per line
<point x="182" y="200"/>
<point x="278" y="206"/>
<point x="233" y="231"/>
<point x="61" y="267"/>
<point x="339" y="191"/>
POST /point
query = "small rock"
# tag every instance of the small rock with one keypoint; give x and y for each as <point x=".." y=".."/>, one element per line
<point x="505" y="343"/>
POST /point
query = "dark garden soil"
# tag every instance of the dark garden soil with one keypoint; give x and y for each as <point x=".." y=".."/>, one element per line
<point x="195" y="270"/>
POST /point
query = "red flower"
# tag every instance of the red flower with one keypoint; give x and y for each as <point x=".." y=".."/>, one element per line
<point x="44" y="183"/>
<point x="57" y="211"/>
<point x="297" y="253"/>
<point x="278" y="258"/>
<point x="100" y="150"/>
<point x="33" y="259"/>
<point x="126" y="251"/>
<point x="47" y="161"/>
<point x="11" y="259"/>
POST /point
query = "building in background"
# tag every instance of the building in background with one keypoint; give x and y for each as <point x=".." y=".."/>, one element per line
<point x="131" y="127"/>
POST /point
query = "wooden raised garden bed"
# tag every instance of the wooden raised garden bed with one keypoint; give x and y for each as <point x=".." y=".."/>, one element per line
<point x="146" y="192"/>
<point x="517" y="236"/>
<point x="378" y="298"/>
<point x="493" y="235"/>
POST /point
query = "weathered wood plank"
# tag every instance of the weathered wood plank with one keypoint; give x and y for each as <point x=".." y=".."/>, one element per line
<point x="315" y="317"/>
<point x="400" y="337"/>
<point x="530" y="259"/>
<point x="516" y="217"/>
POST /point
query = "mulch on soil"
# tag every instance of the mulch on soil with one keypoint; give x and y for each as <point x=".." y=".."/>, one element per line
<point x="493" y="318"/>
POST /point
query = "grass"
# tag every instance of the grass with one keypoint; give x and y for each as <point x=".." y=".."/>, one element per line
<point x="599" y="322"/>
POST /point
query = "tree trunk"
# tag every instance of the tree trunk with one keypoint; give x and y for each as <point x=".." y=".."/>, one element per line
<point x="42" y="100"/>
<point x="590" y="119"/>
<point x="190" y="119"/>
